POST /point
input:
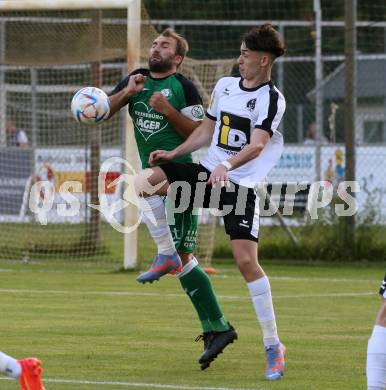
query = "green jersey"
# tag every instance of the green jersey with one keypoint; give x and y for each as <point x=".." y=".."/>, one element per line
<point x="152" y="129"/>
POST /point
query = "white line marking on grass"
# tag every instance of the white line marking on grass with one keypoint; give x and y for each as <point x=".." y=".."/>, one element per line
<point x="163" y="295"/>
<point x="134" y="384"/>
<point x="327" y="279"/>
<point x="319" y="279"/>
<point x="222" y="274"/>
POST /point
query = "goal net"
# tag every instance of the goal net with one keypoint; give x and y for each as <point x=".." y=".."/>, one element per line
<point x="49" y="164"/>
<point x="48" y="54"/>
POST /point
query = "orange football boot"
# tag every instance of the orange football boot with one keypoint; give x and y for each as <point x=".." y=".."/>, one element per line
<point x="30" y="377"/>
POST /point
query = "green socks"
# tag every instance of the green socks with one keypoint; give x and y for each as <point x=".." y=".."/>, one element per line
<point x="196" y="283"/>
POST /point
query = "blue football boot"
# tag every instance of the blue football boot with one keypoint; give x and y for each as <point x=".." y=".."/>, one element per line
<point x="275" y="362"/>
<point x="162" y="265"/>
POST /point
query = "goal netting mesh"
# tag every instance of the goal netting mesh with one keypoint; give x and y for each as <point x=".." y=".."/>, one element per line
<point x="45" y="56"/>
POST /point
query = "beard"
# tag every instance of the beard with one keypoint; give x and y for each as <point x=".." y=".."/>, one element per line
<point x="161" y="65"/>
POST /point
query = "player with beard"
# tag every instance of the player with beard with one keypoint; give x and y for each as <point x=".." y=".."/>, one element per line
<point x="166" y="108"/>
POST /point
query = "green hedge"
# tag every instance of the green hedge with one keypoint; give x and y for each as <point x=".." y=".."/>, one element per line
<point x="316" y="242"/>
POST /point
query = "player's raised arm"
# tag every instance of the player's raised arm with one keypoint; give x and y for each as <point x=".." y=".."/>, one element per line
<point x="259" y="138"/>
<point x="183" y="125"/>
<point x="201" y="136"/>
<point x="184" y="119"/>
<point x="124" y="90"/>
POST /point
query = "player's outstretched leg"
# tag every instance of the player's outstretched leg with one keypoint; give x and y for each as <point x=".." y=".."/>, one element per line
<point x="216" y="343"/>
<point x="167" y="260"/>
<point x="162" y="265"/>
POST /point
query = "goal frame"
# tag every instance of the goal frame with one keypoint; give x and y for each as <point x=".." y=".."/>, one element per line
<point x="36" y="5"/>
<point x="130" y="257"/>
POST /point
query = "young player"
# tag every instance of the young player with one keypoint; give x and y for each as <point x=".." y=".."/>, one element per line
<point x="166" y="108"/>
<point x="28" y="371"/>
<point x="241" y="124"/>
<point x="376" y="349"/>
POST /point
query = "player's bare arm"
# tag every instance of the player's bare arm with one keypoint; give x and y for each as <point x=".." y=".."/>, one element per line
<point x="119" y="100"/>
<point x="183" y="125"/>
<point x="259" y="138"/>
<point x="201" y="136"/>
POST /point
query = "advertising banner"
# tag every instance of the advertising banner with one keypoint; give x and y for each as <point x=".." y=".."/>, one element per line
<point x="59" y="167"/>
<point x="16" y="166"/>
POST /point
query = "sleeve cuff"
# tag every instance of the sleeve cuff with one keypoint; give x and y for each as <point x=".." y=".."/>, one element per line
<point x="210" y="116"/>
<point x="267" y="130"/>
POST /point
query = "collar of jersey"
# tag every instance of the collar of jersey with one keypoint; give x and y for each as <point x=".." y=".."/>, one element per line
<point x="252" y="89"/>
<point x="161" y="78"/>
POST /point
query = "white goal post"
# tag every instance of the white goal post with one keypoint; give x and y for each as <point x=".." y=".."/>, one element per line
<point x="30" y="5"/>
<point x="133" y="57"/>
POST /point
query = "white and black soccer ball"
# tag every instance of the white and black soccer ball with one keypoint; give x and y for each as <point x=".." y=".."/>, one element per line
<point x="90" y="106"/>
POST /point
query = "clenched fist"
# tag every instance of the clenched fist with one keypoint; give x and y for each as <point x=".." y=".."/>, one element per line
<point x="136" y="84"/>
<point x="160" y="103"/>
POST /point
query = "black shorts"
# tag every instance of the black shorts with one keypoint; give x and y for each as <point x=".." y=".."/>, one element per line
<point x="238" y="205"/>
<point x="382" y="290"/>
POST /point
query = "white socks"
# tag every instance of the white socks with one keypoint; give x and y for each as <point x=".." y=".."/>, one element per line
<point x="260" y="291"/>
<point x="376" y="359"/>
<point x="193" y="262"/>
<point x="154" y="215"/>
<point x="9" y="366"/>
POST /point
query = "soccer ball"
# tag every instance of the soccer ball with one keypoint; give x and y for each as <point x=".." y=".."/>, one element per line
<point x="90" y="106"/>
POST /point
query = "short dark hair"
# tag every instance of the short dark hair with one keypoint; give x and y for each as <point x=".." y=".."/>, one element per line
<point x="182" y="46"/>
<point x="264" y="38"/>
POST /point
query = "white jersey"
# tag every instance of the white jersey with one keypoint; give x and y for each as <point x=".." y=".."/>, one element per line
<point x="238" y="111"/>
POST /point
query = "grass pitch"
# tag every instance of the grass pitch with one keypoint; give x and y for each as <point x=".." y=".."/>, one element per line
<point x="96" y="328"/>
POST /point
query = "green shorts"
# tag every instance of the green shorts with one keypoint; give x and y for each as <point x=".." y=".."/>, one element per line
<point x="183" y="229"/>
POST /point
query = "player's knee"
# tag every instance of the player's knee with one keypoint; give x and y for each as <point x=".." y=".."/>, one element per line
<point x="150" y="181"/>
<point x="247" y="264"/>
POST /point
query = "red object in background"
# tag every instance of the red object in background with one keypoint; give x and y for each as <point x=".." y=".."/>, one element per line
<point x="108" y="177"/>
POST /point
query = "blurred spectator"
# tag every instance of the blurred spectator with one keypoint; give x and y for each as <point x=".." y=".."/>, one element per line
<point x="312" y="136"/>
<point x="15" y="136"/>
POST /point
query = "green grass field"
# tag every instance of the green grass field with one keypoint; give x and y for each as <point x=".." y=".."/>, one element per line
<point x="97" y="328"/>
